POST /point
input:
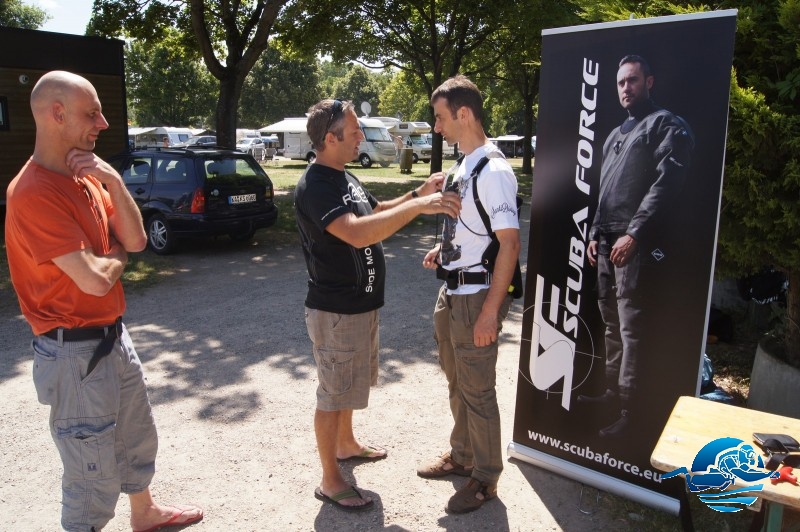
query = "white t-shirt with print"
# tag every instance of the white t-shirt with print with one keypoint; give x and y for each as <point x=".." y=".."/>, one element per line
<point x="464" y="241"/>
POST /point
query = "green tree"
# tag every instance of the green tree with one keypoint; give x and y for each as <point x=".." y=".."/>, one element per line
<point x="155" y="97"/>
<point x="16" y="14"/>
<point x="330" y="73"/>
<point x="760" y="223"/>
<point x="360" y="85"/>
<point x="278" y="87"/>
<point x="518" y="71"/>
<point x="231" y="36"/>
<point x="430" y="39"/>
<point x="404" y="95"/>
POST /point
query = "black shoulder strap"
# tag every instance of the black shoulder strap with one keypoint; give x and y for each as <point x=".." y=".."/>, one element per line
<point x="516" y="288"/>
<point x="474" y="177"/>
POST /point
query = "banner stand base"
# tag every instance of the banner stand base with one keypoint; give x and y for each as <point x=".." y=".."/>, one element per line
<point x="594" y="479"/>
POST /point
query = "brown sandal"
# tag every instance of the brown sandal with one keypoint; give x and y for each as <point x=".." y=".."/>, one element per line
<point x="443" y="466"/>
<point x="471" y="497"/>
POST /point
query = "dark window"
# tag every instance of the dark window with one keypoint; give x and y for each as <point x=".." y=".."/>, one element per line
<point x="137" y="171"/>
<point x="170" y="171"/>
<point x="3" y="113"/>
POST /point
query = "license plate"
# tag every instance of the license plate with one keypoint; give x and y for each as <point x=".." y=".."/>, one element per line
<point x="243" y="198"/>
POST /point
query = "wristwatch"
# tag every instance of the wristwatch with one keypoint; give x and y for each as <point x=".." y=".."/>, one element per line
<point x="414" y="193"/>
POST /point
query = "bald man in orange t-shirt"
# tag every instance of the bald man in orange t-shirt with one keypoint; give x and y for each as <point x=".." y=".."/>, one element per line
<point x="70" y="225"/>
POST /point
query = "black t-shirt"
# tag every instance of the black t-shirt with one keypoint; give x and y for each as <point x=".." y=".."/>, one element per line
<point x="342" y="278"/>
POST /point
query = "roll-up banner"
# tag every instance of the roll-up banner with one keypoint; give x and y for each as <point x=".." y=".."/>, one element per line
<point x="624" y="215"/>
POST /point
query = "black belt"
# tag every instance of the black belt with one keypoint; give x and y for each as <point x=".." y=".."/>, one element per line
<point x="455" y="278"/>
<point x="107" y="336"/>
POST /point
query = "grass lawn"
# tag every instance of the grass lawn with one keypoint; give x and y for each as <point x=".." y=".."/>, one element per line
<point x="383" y="183"/>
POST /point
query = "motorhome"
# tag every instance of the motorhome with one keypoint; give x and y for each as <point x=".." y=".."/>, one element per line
<point x="510" y="145"/>
<point x="246" y="133"/>
<point x="377" y="146"/>
<point x="293" y="140"/>
<point x="413" y="135"/>
<point x="143" y="137"/>
<point x="449" y="151"/>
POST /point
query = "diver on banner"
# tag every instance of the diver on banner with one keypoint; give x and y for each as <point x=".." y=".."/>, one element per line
<point x="645" y="162"/>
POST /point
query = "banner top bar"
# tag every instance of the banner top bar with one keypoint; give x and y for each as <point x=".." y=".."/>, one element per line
<point x="641" y="21"/>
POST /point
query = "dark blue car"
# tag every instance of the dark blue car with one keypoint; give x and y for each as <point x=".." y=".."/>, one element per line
<point x="197" y="192"/>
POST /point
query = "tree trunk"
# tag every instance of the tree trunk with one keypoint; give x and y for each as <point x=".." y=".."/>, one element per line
<point x="229" y="92"/>
<point x="792" y="339"/>
<point x="436" y="144"/>
<point x="527" y="167"/>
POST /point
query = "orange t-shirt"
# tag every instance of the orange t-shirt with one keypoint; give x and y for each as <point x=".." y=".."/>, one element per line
<point x="49" y="215"/>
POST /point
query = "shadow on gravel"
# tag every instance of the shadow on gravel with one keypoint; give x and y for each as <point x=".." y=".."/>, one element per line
<point x="228" y="314"/>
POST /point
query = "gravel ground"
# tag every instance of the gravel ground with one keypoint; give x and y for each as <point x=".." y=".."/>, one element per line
<point x="232" y="383"/>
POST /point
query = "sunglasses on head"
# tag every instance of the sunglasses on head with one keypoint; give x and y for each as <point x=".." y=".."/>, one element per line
<point x="336" y="108"/>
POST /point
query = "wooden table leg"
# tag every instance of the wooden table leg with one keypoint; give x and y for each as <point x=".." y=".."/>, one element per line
<point x="774" y="517"/>
<point x="685" y="512"/>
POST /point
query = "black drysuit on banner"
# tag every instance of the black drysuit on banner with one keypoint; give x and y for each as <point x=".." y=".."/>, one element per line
<point x="645" y="162"/>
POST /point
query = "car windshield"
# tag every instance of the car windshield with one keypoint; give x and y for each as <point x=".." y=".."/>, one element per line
<point x="377" y="134"/>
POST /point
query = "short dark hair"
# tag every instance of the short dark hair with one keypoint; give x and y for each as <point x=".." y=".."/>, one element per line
<point x="321" y="119"/>
<point x="460" y="92"/>
<point x="633" y="58"/>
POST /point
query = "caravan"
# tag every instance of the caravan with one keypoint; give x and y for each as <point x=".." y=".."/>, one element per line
<point x="158" y="136"/>
<point x="377" y="146"/>
<point x="413" y="135"/>
<point x="293" y="140"/>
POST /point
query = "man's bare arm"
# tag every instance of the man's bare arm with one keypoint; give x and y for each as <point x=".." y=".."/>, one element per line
<point x="94" y="275"/>
<point x="485" y="329"/>
<point x="126" y="223"/>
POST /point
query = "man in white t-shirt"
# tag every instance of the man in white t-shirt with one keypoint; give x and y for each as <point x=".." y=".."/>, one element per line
<point x="472" y="303"/>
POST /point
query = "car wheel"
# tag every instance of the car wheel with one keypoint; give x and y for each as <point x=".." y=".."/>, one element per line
<point x="384" y="165"/>
<point x="426" y="161"/>
<point x="414" y="158"/>
<point x="159" y="235"/>
<point x="245" y="236"/>
<point x="365" y="161"/>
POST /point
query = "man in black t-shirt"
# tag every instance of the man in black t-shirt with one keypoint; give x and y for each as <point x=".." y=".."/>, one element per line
<point x="341" y="227"/>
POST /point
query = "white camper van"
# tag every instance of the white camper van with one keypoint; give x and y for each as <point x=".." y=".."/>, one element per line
<point x="158" y="136"/>
<point x="377" y="146"/>
<point x="414" y="136"/>
<point x="293" y="140"/>
<point x="246" y="133"/>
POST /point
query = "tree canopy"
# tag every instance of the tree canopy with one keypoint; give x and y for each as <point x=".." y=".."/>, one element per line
<point x="429" y="39"/>
<point x="167" y="84"/>
<point x="278" y="87"/>
<point x="16" y="14"/>
<point x="231" y="36"/>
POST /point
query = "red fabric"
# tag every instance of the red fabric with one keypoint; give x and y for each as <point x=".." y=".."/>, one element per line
<point x="50" y="215"/>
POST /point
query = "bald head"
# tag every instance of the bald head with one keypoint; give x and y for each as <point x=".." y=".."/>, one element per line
<point x="67" y="113"/>
<point x="57" y="87"/>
